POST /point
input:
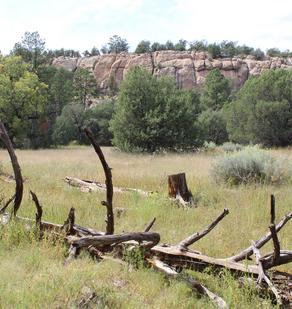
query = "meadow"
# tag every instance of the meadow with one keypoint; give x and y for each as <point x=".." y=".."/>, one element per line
<point x="33" y="274"/>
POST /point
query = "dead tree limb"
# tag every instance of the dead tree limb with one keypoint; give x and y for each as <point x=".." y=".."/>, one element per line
<point x="146" y="240"/>
<point x="68" y="225"/>
<point x="273" y="212"/>
<point x="16" y="168"/>
<point x="195" y="286"/>
<point x="262" y="275"/>
<point x="108" y="182"/>
<point x="276" y="242"/>
<point x="260" y="242"/>
<point x="2" y="210"/>
<point x="268" y="261"/>
<point x="149" y="226"/>
<point x="198" y="235"/>
<point x="39" y="213"/>
<point x="94" y="186"/>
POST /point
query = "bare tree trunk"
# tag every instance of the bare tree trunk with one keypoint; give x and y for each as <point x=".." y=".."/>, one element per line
<point x="108" y="182"/>
<point x="16" y="168"/>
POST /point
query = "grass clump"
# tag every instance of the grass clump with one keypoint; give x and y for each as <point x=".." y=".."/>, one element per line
<point x="231" y="147"/>
<point x="251" y="165"/>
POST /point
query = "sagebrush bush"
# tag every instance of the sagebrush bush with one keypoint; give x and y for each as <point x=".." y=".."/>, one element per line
<point x="231" y="147"/>
<point x="251" y="165"/>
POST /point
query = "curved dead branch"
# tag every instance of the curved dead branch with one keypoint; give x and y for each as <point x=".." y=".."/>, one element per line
<point x="108" y="181"/>
<point x="16" y="168"/>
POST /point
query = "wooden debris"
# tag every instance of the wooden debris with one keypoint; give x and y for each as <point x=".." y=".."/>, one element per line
<point x="178" y="189"/>
<point x="16" y="168"/>
<point x="108" y="182"/>
<point x="94" y="186"/>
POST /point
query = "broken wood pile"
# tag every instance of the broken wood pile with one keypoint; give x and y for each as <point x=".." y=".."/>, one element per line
<point x="169" y="259"/>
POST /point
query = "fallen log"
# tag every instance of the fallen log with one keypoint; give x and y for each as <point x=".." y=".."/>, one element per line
<point x="94" y="186"/>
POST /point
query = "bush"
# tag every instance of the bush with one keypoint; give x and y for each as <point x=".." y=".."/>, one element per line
<point x="251" y="165"/>
<point x="231" y="147"/>
<point x="152" y="114"/>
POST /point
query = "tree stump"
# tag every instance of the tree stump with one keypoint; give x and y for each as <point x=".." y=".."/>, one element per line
<point x="178" y="189"/>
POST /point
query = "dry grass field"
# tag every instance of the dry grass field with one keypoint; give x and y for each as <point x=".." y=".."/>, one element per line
<point x="33" y="274"/>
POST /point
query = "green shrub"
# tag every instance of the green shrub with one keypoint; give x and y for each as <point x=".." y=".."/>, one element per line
<point x="231" y="147"/>
<point x="251" y="165"/>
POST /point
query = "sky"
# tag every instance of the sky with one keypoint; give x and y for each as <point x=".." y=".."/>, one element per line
<point x="82" y="24"/>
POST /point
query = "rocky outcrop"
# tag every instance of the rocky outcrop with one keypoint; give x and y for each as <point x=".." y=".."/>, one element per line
<point x="188" y="69"/>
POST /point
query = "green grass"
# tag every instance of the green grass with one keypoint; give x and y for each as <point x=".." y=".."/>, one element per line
<point x="33" y="274"/>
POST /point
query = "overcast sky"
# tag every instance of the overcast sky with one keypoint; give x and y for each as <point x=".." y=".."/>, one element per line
<point x="82" y="24"/>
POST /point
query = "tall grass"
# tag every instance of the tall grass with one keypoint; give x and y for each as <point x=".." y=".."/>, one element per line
<point x="39" y="277"/>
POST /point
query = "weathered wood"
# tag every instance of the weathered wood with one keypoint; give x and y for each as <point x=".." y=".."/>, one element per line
<point x="262" y="275"/>
<point x="108" y="183"/>
<point x="178" y="189"/>
<point x="16" y="168"/>
<point x="2" y="210"/>
<point x="68" y="225"/>
<point x="276" y="242"/>
<point x="39" y="213"/>
<point x="195" y="285"/>
<point x="273" y="211"/>
<point x="94" y="186"/>
<point x="174" y="256"/>
<point x="196" y="236"/>
<point x="260" y="242"/>
<point x="285" y="257"/>
<point x="149" y="226"/>
<point x="146" y="239"/>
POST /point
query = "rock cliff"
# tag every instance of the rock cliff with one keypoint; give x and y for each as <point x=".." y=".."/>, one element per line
<point x="189" y="69"/>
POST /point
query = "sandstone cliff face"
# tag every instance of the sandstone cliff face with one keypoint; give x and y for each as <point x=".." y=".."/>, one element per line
<point x="189" y="69"/>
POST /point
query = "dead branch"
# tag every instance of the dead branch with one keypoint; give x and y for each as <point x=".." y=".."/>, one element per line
<point x="198" y="235"/>
<point x="262" y="275"/>
<point x="285" y="257"/>
<point x="260" y="242"/>
<point x="108" y="182"/>
<point x="2" y="210"/>
<point x="146" y="240"/>
<point x="149" y="226"/>
<point x="276" y="242"/>
<point x="273" y="205"/>
<point x="94" y="186"/>
<point x="195" y="286"/>
<point x="39" y="213"/>
<point x="68" y="225"/>
<point x="16" y="168"/>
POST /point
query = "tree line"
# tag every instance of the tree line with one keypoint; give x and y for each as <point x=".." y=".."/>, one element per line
<point x="43" y="106"/>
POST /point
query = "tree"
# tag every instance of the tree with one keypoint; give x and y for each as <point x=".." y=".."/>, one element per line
<point x="94" y="51"/>
<point x="262" y="110"/>
<point x="69" y="125"/>
<point x="169" y="45"/>
<point x="214" y="50"/>
<point x="85" y="86"/>
<point x="152" y="113"/>
<point x="117" y="45"/>
<point x="22" y="100"/>
<point x="213" y="126"/>
<point x="216" y="90"/>
<point x="198" y="45"/>
<point x="180" y="45"/>
<point x="143" y="47"/>
<point x="31" y="49"/>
